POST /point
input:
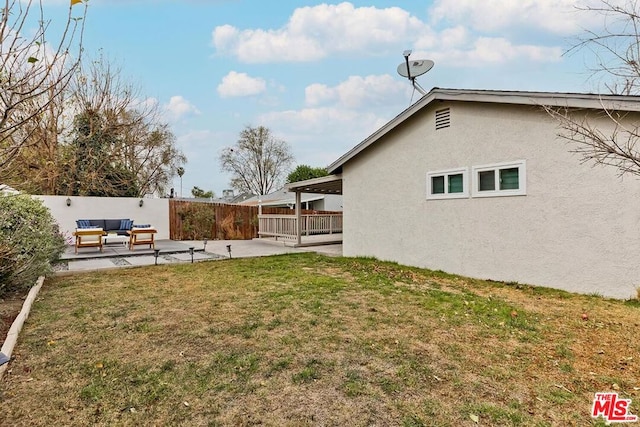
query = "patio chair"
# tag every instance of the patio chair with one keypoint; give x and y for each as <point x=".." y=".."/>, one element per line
<point x="142" y="236"/>
<point x="88" y="237"/>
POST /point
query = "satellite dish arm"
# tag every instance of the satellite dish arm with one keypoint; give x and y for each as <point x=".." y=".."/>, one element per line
<point x="406" y="58"/>
<point x="418" y="87"/>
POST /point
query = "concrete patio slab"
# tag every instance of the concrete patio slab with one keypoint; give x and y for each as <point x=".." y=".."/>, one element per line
<point x="170" y="251"/>
<point x="330" y="250"/>
<point x="91" y="264"/>
<point x="146" y="260"/>
<point x="117" y="250"/>
<point x="197" y="256"/>
<point x="244" y="248"/>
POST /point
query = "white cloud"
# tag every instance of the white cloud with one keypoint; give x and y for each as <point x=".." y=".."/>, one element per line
<point x="315" y="32"/>
<point x="494" y="51"/>
<point x="357" y="92"/>
<point x="225" y="36"/>
<point x="320" y="135"/>
<point x="338" y="117"/>
<point x="311" y="119"/>
<point x="459" y="47"/>
<point x="324" y="128"/>
<point x="240" y="84"/>
<point x="556" y="16"/>
<point x="178" y="108"/>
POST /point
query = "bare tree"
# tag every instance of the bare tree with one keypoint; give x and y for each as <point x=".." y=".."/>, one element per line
<point x="33" y="70"/>
<point x="99" y="137"/>
<point x="609" y="137"/>
<point x="613" y="48"/>
<point x="258" y="162"/>
<point x="36" y="167"/>
<point x="120" y="143"/>
<point x="149" y="151"/>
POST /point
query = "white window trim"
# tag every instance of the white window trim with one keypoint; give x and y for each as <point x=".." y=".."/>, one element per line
<point x="522" y="179"/>
<point x="446" y="173"/>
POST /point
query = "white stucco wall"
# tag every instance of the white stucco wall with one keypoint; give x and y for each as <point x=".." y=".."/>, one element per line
<point x="153" y="211"/>
<point x="577" y="228"/>
<point x="330" y="202"/>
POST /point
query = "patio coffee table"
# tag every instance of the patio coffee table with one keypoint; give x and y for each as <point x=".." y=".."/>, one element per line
<point x="115" y="238"/>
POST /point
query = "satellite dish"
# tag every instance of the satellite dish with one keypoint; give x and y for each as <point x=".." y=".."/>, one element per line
<point x="416" y="68"/>
<point x="413" y="69"/>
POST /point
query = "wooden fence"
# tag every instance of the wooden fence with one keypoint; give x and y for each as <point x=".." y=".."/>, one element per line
<point x="190" y="220"/>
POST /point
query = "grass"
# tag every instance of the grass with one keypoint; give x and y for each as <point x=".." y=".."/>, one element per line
<point x="310" y="340"/>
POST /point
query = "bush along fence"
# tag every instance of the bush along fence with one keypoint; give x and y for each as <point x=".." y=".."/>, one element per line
<point x="190" y="220"/>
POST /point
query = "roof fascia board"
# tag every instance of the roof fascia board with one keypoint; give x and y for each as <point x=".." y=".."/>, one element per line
<point x="553" y="99"/>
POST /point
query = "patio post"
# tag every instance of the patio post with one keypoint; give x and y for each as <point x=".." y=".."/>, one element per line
<point x="298" y="218"/>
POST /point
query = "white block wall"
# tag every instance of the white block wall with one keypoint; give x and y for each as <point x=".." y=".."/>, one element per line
<point x="153" y="211"/>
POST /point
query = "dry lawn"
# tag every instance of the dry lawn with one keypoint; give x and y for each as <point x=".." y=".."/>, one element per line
<point x="303" y="339"/>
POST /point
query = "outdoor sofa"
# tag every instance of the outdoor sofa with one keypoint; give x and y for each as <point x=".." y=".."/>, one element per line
<point x="118" y="226"/>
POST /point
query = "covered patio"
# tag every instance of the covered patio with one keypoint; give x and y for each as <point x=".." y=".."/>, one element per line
<point x="305" y="230"/>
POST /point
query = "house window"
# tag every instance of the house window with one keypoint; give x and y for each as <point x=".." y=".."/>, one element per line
<point x="500" y="179"/>
<point x="447" y="184"/>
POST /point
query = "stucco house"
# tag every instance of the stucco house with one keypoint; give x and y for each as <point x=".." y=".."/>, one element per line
<point x="478" y="183"/>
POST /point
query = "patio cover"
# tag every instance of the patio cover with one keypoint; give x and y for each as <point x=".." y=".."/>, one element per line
<point x="331" y="184"/>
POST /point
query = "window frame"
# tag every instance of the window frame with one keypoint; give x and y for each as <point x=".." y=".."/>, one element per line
<point x="521" y="165"/>
<point x="446" y="173"/>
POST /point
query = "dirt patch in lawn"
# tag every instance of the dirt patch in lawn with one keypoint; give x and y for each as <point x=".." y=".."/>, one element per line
<point x="10" y="306"/>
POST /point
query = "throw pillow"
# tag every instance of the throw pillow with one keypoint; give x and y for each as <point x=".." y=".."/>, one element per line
<point x="126" y="224"/>
<point x="142" y="226"/>
<point x="83" y="223"/>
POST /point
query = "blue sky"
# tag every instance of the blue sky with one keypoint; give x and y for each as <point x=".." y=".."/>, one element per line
<point x="321" y="75"/>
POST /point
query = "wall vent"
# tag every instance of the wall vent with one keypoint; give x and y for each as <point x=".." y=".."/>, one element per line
<point x="443" y="119"/>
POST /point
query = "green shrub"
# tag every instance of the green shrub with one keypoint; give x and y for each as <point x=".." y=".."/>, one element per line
<point x="29" y="242"/>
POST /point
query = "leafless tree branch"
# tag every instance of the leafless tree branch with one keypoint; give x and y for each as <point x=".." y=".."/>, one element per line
<point x="33" y="71"/>
<point x="258" y="162"/>
<point x="608" y="136"/>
